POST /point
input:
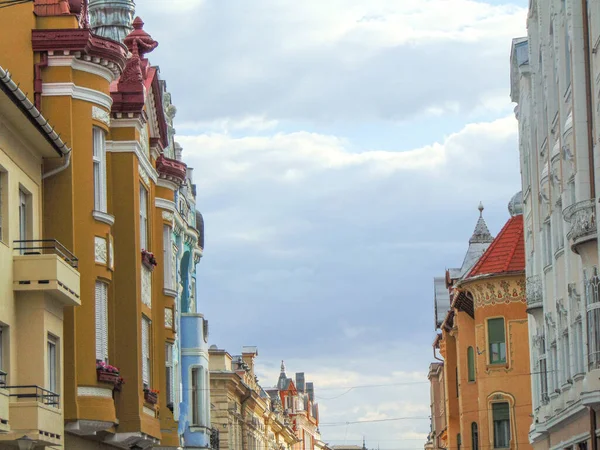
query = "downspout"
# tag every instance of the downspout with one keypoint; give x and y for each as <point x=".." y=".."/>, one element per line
<point x="37" y="82"/>
<point x="588" y="94"/>
<point x="60" y="168"/>
<point x="435" y="356"/>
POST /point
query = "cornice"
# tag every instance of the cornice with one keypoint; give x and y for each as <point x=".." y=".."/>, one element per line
<point x="168" y="184"/>
<point x="165" y="204"/>
<point x="82" y="66"/>
<point x="133" y="147"/>
<point x="76" y="92"/>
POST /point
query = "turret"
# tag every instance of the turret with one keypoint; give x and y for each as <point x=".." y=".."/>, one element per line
<point x="112" y="19"/>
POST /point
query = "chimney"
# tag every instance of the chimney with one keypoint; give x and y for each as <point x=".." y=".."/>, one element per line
<point x="310" y="389"/>
<point x="300" y="381"/>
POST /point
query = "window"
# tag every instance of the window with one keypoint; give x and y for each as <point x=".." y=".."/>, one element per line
<point x="554" y="365"/>
<point x="567" y="57"/>
<point x="471" y="363"/>
<point x="53" y="364"/>
<point x="497" y="341"/>
<point x="169" y="373"/>
<point x="543" y="370"/>
<point x="198" y="394"/>
<point x="578" y="344"/>
<point x="24" y="201"/>
<point x="101" y="321"/>
<point x="2" y="214"/>
<point x="547" y="243"/>
<point x="458" y="441"/>
<point x="99" y="158"/>
<point x="168" y="258"/>
<point x="566" y="362"/>
<point x="3" y="335"/>
<point x="592" y="294"/>
<point x="457" y="384"/>
<point x="146" y="331"/>
<point x="474" y="436"/>
<point x="143" y="217"/>
<point x="501" y="417"/>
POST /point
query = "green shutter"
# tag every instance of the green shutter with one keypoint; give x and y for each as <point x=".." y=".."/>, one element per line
<point x="496" y="330"/>
<point x="471" y="363"/>
<point x="500" y="411"/>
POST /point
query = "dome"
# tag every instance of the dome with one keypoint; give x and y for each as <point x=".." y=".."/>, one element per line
<point x="515" y="206"/>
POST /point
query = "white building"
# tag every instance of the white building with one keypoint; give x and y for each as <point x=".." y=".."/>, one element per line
<point x="555" y="81"/>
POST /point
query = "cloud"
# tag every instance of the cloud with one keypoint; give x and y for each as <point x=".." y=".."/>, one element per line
<point x="332" y="61"/>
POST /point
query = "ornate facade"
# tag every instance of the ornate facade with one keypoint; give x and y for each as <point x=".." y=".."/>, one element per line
<point x="554" y="81"/>
<point x="124" y="202"/>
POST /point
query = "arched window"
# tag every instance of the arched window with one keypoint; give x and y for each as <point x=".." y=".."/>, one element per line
<point x="471" y="363"/>
<point x="475" y="436"/>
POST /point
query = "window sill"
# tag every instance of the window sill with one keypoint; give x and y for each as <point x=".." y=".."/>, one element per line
<point x="104" y="217"/>
<point x="497" y="366"/>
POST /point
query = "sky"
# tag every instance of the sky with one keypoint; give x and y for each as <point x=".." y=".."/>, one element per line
<point x="340" y="150"/>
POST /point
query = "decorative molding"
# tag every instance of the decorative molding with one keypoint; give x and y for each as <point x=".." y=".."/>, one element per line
<point x="103" y="217"/>
<point x="149" y="411"/>
<point x="170" y="292"/>
<point x="101" y="115"/>
<point x="87" y="391"/>
<point x="100" y="250"/>
<point x="168" y="318"/>
<point x="144" y="141"/>
<point x="111" y="253"/>
<point x="146" y="287"/>
<point x="83" y="66"/>
<point x="133" y="147"/>
<point x="503" y="291"/>
<point x="168" y="216"/>
<point x="168" y="184"/>
<point x="165" y="204"/>
<point x="143" y="175"/>
<point x="77" y="92"/>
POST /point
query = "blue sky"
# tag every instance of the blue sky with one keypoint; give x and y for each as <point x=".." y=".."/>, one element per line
<point x="340" y="150"/>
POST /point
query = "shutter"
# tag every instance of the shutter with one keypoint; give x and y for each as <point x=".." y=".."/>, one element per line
<point x="500" y="411"/>
<point x="145" y="351"/>
<point x="105" y="321"/>
<point x="99" y="322"/>
<point x="496" y="330"/>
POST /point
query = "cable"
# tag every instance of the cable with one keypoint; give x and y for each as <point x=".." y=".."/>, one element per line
<point x="8" y="3"/>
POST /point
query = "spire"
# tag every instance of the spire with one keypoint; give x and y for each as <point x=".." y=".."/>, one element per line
<point x="481" y="235"/>
<point x="282" y="367"/>
<point x="111" y="19"/>
<point x="364" y="444"/>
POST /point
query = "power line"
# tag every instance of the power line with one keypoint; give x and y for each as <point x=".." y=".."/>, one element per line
<point x="7" y="3"/>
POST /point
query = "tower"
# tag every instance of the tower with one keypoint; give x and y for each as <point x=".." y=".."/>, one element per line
<point x="112" y="19"/>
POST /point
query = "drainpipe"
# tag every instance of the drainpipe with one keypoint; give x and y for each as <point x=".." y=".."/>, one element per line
<point x="37" y="83"/>
<point x="60" y="168"/>
<point x="435" y="356"/>
<point x="593" y="429"/>
<point x="588" y="94"/>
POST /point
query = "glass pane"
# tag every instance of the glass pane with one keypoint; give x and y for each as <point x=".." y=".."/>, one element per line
<point x="496" y="330"/>
<point x="471" y="363"/>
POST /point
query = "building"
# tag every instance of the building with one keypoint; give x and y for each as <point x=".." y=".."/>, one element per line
<point x="124" y="203"/>
<point x="39" y="281"/>
<point x="298" y="402"/>
<point x="484" y="346"/>
<point x="244" y="415"/>
<point x="554" y="81"/>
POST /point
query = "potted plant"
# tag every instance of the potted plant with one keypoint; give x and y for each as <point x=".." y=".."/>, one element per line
<point x="148" y="260"/>
<point x="151" y="396"/>
<point x="107" y="373"/>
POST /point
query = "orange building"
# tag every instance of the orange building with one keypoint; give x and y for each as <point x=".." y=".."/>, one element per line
<point x="110" y="201"/>
<point x="485" y="346"/>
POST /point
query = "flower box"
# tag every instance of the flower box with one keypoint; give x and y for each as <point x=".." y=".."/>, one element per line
<point x="151" y="396"/>
<point x="148" y="260"/>
<point x="107" y="377"/>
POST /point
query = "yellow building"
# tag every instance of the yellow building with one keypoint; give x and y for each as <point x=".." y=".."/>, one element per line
<point x="485" y="346"/>
<point x="38" y="281"/>
<point x="245" y="415"/>
<point x="111" y="201"/>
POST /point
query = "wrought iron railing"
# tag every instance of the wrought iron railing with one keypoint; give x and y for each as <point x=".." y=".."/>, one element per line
<point x="582" y="218"/>
<point x="46" y="247"/>
<point x="33" y="392"/>
<point x="214" y="439"/>
<point x="534" y="291"/>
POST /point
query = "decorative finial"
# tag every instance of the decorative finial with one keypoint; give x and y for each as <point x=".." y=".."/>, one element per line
<point x="480" y="208"/>
<point x="282" y="366"/>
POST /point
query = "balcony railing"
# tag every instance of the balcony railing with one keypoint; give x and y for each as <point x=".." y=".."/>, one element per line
<point x="46" y="247"/>
<point x="35" y="393"/>
<point x="534" y="292"/>
<point x="582" y="217"/>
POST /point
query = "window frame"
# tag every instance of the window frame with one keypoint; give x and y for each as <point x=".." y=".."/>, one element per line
<point x="144" y="200"/>
<point x="474" y="436"/>
<point x="500" y="342"/>
<point x="99" y="169"/>
<point x="3" y="202"/>
<point x="506" y="422"/>
<point x="146" y="325"/>
<point x="169" y="373"/>
<point x="53" y="362"/>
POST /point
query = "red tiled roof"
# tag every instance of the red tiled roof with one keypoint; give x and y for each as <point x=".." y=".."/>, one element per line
<point x="506" y="253"/>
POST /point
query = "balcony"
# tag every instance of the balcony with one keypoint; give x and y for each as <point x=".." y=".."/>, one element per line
<point x="171" y="169"/>
<point x="582" y="219"/>
<point x="46" y="265"/>
<point x="534" y="293"/>
<point x="34" y="412"/>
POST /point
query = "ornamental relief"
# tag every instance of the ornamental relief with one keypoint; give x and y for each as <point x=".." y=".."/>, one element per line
<point x="143" y="175"/>
<point x="168" y="318"/>
<point x="502" y="292"/>
<point x="146" y="287"/>
<point x="100" y="250"/>
<point x="101" y="115"/>
<point x="144" y="141"/>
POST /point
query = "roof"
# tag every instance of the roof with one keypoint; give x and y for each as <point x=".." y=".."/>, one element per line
<point x="441" y="300"/>
<point x="506" y="254"/>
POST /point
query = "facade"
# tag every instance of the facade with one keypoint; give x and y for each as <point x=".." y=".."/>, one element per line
<point x="484" y="345"/>
<point x="298" y="402"/>
<point x="244" y="415"/>
<point x="554" y="81"/>
<point x="134" y="353"/>
<point x="39" y="281"/>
